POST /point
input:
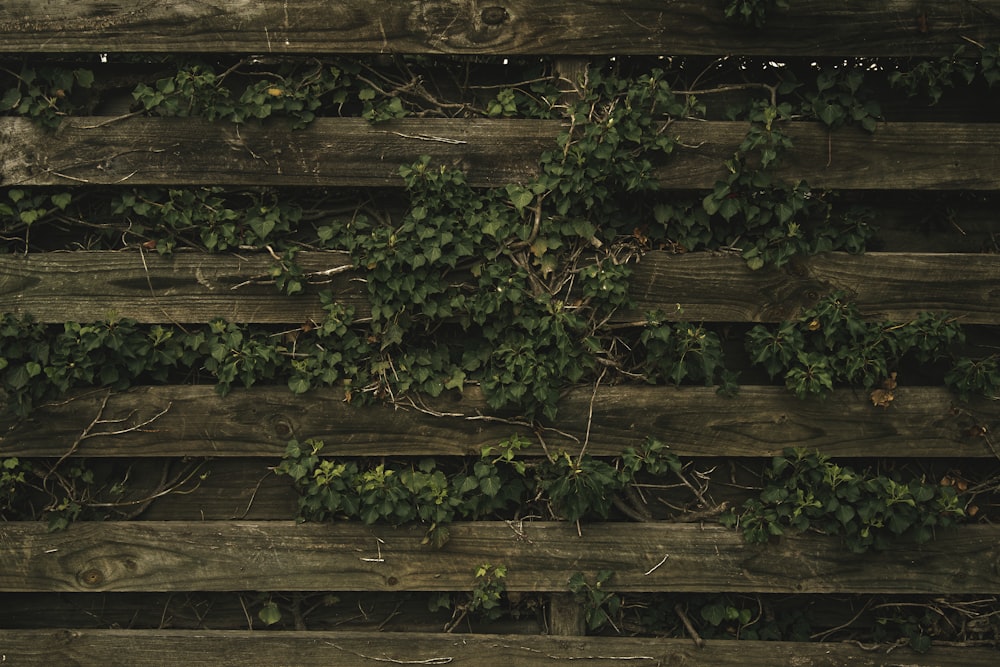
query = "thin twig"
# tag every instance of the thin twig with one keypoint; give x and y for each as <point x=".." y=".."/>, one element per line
<point x="428" y="661"/>
<point x="590" y="417"/>
<point x="698" y="641"/>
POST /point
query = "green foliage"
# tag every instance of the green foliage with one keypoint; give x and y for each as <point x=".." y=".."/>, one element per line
<point x="579" y="488"/>
<point x="429" y="493"/>
<point x="39" y="363"/>
<point x="831" y="344"/>
<point x="12" y="486"/>
<point x="398" y="493"/>
<point x="45" y="94"/>
<point x="868" y="510"/>
<point x="975" y="377"/>
<point x="753" y="12"/>
<point x="70" y="488"/>
<point x="24" y="208"/>
<point x="205" y="218"/>
<point x="601" y="607"/>
<point x="489" y="588"/>
<point x="294" y="90"/>
<point x="682" y="351"/>
<point x="841" y="98"/>
<point x="772" y="221"/>
<point x="929" y="79"/>
<point x="269" y="613"/>
<point x="484" y="601"/>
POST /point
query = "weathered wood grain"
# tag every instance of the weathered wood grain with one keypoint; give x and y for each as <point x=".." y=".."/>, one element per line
<point x="276" y="555"/>
<point x="810" y="27"/>
<point x="331" y="151"/>
<point x="352" y="152"/>
<point x="210" y="648"/>
<point x="894" y="286"/>
<point x="185" y="287"/>
<point x="694" y="421"/>
<point x="190" y="287"/>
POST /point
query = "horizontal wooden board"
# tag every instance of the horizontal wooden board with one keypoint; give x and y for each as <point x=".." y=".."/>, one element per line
<point x="693" y="421"/>
<point x="191" y="287"/>
<point x="211" y="648"/>
<point x="352" y="152"/>
<point x="811" y="27"/>
<point x="331" y="151"/>
<point x="895" y="286"/>
<point x="277" y="555"/>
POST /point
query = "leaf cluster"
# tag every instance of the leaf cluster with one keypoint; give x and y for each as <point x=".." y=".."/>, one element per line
<point x="45" y="94"/>
<point x="434" y="495"/>
<point x="39" y="363"/>
<point x="866" y="509"/>
<point x="294" y="90"/>
<point x="831" y="343"/>
<point x="601" y="607"/>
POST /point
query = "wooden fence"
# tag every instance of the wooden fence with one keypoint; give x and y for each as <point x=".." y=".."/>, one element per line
<point x="235" y="533"/>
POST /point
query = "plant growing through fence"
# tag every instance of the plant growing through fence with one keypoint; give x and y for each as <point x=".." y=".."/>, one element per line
<point x="435" y="494"/>
<point x="866" y="509"/>
<point x="831" y="343"/>
<point x="484" y="601"/>
<point x="601" y="607"/>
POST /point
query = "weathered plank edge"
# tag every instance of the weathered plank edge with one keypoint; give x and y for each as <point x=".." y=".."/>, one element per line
<point x="813" y="27"/>
<point x="540" y="557"/>
<point x="352" y="152"/>
<point x="195" y="421"/>
<point x="192" y="287"/>
<point x="351" y="648"/>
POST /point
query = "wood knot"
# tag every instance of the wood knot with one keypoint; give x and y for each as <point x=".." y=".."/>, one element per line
<point x="92" y="577"/>
<point x="391" y="581"/>
<point x="494" y="15"/>
<point x="283" y="429"/>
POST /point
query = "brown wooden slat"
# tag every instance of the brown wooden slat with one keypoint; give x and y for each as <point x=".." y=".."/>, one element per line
<point x="694" y="421"/>
<point x="352" y="152"/>
<point x="894" y="286"/>
<point x="184" y="287"/>
<point x="331" y="151"/>
<point x="193" y="287"/>
<point x="810" y="27"/>
<point x="210" y="648"/>
<point x="276" y="555"/>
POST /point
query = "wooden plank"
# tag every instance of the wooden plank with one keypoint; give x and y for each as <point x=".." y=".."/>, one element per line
<point x="352" y="648"/>
<point x="809" y="27"/>
<point x="694" y="421"/>
<point x="331" y="151"/>
<point x="190" y="287"/>
<point x="185" y="287"/>
<point x="540" y="556"/>
<point x="352" y="152"/>
<point x="911" y="156"/>
<point x="894" y="286"/>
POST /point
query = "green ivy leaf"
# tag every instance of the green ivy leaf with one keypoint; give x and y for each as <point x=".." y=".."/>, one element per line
<point x="269" y="613"/>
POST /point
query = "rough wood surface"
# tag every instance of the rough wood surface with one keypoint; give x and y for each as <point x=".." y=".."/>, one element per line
<point x="191" y="287"/>
<point x="694" y="421"/>
<point x="185" y="287"/>
<point x="352" y="152"/>
<point x="810" y="27"/>
<point x="331" y="151"/>
<point x="284" y="556"/>
<point x="894" y="286"/>
<point x="135" y="648"/>
<point x="347" y="649"/>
